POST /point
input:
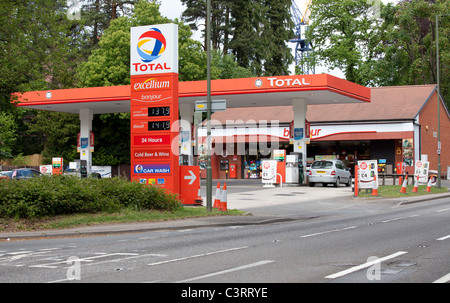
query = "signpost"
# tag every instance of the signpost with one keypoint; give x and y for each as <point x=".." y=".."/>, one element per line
<point x="216" y="105"/>
<point x="189" y="184"/>
<point x="154" y="105"/>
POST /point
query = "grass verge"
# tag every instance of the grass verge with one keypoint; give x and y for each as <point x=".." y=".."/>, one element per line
<point x="393" y="191"/>
<point x="123" y="216"/>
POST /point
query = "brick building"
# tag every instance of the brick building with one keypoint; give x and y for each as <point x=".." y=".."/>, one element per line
<point x="398" y="125"/>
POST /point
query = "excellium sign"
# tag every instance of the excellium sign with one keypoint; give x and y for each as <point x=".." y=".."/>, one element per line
<point x="154" y="49"/>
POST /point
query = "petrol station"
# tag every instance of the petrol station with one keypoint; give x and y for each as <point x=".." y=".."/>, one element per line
<point x="162" y="109"/>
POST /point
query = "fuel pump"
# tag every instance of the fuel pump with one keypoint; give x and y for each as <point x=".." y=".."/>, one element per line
<point x="292" y="173"/>
<point x="83" y="169"/>
<point x="301" y="176"/>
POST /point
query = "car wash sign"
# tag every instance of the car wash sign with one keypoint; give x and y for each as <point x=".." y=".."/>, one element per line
<point x="154" y="105"/>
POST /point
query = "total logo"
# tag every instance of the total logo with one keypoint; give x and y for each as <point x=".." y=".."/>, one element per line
<point x="150" y="46"/>
<point x="154" y="49"/>
<point x="282" y="82"/>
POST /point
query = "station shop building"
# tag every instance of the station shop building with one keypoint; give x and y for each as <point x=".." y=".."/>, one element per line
<point x="398" y="125"/>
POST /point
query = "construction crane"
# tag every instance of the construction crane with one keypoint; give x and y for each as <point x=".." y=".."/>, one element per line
<point x="303" y="48"/>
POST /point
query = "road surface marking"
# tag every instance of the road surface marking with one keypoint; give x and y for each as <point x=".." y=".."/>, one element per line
<point x="401" y="218"/>
<point x="184" y="230"/>
<point x="443" y="238"/>
<point x="20" y="252"/>
<point x="365" y="265"/>
<point x="444" y="279"/>
<point x="228" y="271"/>
<point x="197" y="256"/>
<point x="328" y="231"/>
<point x="87" y="259"/>
<point x="441" y="210"/>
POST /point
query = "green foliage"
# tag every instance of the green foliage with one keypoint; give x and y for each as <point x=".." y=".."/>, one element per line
<point x="58" y="133"/>
<point x="63" y="195"/>
<point x="109" y="64"/>
<point x="256" y="32"/>
<point x="20" y="160"/>
<point x="343" y="34"/>
<point x="7" y="133"/>
<point x="382" y="46"/>
<point x="38" y="50"/>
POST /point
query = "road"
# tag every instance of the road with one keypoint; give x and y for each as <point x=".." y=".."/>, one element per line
<point x="391" y="244"/>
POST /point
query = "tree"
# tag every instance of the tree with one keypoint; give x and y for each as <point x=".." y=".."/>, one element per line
<point x="34" y="47"/>
<point x="39" y="50"/>
<point x="276" y="34"/>
<point x="109" y="64"/>
<point x="256" y="32"/>
<point x="7" y="134"/>
<point x="195" y="16"/>
<point x="58" y="134"/>
<point x="98" y="14"/>
<point x="344" y="34"/>
<point x="245" y="36"/>
<point x="410" y="45"/>
<point x="396" y="47"/>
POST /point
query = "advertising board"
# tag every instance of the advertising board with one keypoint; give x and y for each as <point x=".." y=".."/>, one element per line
<point x="269" y="172"/>
<point x="367" y="174"/>
<point x="421" y="169"/>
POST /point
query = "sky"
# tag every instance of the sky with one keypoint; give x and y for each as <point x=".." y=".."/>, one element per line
<point x="174" y="8"/>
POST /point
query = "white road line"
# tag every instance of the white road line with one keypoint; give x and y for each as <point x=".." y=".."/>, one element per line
<point x="197" y="256"/>
<point x="128" y="258"/>
<point x="184" y="230"/>
<point x="328" y="231"/>
<point x="88" y="259"/>
<point x="443" y="238"/>
<point x="441" y="210"/>
<point x="443" y="279"/>
<point x="228" y="271"/>
<point x="365" y="265"/>
<point x="20" y="252"/>
<point x="396" y="219"/>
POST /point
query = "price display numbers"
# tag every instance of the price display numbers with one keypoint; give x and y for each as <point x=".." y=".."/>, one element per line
<point x="159" y="111"/>
<point x="158" y="125"/>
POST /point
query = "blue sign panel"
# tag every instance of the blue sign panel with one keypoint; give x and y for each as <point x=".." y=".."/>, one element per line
<point x="152" y="169"/>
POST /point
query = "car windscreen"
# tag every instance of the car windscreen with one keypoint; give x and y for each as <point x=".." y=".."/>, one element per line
<point x="322" y="164"/>
<point x="6" y="173"/>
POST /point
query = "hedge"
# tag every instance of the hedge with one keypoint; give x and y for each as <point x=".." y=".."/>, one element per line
<point x="64" y="195"/>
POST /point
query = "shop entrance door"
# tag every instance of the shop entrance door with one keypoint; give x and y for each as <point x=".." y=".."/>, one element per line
<point x="233" y="173"/>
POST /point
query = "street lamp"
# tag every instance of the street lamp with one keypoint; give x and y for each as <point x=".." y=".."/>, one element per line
<point x="438" y="100"/>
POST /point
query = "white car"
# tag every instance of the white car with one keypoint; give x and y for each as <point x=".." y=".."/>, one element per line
<point x="329" y="172"/>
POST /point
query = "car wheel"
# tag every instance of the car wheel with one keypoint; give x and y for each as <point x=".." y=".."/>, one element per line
<point x="337" y="183"/>
<point x="349" y="183"/>
<point x="311" y="184"/>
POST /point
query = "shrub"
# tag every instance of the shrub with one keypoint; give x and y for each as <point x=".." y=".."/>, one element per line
<point x="63" y="195"/>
